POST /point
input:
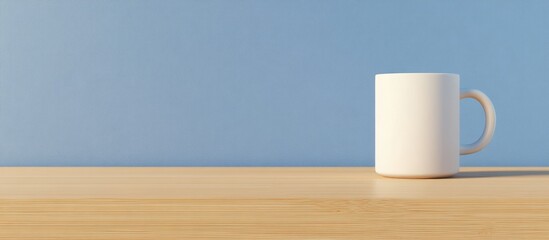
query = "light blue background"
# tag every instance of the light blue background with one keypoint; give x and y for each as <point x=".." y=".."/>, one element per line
<point x="257" y="83"/>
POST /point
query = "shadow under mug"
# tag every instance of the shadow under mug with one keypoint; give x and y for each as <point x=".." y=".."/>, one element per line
<point x="417" y="124"/>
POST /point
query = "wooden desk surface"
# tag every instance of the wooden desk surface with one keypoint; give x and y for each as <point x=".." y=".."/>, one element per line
<point x="270" y="203"/>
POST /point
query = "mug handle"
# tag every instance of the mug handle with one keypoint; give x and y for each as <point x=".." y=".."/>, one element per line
<point x="490" y="123"/>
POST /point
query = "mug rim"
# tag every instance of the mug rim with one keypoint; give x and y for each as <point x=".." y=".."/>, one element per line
<point x="418" y="73"/>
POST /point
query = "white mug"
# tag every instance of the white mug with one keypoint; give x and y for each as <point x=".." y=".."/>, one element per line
<point x="417" y="124"/>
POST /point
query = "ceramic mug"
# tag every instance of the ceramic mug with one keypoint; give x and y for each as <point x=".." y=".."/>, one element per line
<point x="417" y="124"/>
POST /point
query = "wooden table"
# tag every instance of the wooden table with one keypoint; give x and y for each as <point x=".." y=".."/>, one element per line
<point x="270" y="203"/>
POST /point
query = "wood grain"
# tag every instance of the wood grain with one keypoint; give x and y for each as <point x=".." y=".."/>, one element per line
<point x="270" y="203"/>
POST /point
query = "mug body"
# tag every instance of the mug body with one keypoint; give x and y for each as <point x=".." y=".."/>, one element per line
<point x="417" y="125"/>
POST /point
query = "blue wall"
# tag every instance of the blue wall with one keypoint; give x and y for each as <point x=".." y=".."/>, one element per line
<point x="256" y="82"/>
